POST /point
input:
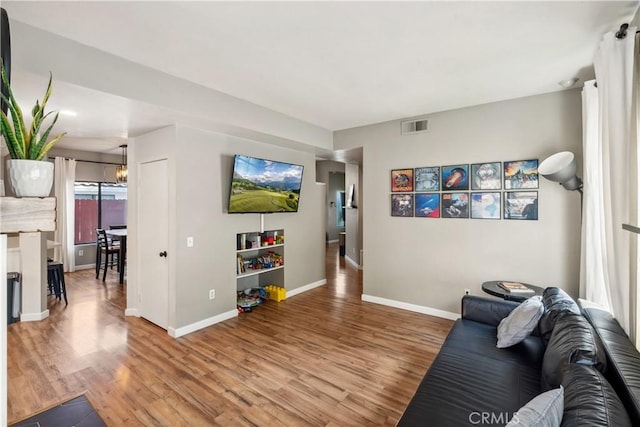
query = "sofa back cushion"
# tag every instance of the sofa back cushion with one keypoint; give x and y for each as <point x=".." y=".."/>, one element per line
<point x="557" y="303"/>
<point x="623" y="359"/>
<point x="572" y="341"/>
<point x="589" y="400"/>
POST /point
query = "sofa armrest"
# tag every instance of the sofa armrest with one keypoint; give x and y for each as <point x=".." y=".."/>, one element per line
<point x="486" y="310"/>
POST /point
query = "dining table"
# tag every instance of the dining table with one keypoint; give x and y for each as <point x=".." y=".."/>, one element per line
<point x="121" y="235"/>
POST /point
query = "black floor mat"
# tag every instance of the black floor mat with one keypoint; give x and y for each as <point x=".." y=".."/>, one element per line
<point x="76" y="412"/>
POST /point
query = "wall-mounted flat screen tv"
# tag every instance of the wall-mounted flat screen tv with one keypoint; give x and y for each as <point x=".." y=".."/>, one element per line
<point x="264" y="186"/>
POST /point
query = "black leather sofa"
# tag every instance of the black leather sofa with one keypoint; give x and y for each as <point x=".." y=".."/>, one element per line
<point x="473" y="383"/>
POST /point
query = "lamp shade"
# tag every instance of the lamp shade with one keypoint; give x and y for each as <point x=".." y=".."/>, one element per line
<point x="561" y="167"/>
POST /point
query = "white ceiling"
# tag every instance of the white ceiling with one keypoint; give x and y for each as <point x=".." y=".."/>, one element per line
<point x="334" y="64"/>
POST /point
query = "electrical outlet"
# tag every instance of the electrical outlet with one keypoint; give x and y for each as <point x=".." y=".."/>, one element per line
<point x="190" y="242"/>
<point x="212" y="294"/>
<point x="467" y="291"/>
<point x="81" y="252"/>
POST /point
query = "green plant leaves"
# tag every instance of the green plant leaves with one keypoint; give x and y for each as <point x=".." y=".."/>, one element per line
<point x="23" y="145"/>
<point x="40" y="148"/>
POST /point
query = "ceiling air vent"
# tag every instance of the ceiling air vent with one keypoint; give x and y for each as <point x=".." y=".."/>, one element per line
<point x="414" y="126"/>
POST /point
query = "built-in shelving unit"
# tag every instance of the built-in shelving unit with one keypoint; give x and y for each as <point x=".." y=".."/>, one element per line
<point x="260" y="259"/>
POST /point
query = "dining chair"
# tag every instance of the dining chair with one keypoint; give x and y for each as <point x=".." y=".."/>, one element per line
<point x="106" y="254"/>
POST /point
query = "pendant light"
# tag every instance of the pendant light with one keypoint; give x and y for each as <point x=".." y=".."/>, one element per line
<point x="122" y="171"/>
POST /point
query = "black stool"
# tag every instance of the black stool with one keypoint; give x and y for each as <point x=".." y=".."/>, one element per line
<point x="55" y="279"/>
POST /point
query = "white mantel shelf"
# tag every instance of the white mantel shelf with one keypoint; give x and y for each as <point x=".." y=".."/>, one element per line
<point x="27" y="214"/>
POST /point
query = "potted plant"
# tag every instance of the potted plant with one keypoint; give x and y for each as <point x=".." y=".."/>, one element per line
<point x="30" y="175"/>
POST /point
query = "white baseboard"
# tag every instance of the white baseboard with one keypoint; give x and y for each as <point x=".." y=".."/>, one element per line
<point x="34" y="317"/>
<point x="352" y="262"/>
<point x="333" y="241"/>
<point x="85" y="267"/>
<point x="305" y="288"/>
<point x="131" y="312"/>
<point x="176" y="333"/>
<point x="411" y="307"/>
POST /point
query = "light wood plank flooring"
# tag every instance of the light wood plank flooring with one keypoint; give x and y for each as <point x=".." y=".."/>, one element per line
<point x="322" y="358"/>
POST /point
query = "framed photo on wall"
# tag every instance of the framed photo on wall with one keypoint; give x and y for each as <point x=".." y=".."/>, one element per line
<point x="486" y="176"/>
<point x="486" y="205"/>
<point x="455" y="177"/>
<point x="427" y="178"/>
<point x="402" y="205"/>
<point x="455" y="205"/>
<point x="521" y="205"/>
<point x="401" y="180"/>
<point x="428" y="205"/>
<point x="521" y="174"/>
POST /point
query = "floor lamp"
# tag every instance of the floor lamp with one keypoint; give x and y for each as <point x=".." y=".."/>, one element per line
<point x="561" y="168"/>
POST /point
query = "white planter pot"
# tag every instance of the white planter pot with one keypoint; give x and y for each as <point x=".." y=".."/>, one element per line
<point x="30" y="178"/>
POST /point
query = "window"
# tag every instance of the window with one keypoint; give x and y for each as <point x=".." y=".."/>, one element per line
<point x="98" y="205"/>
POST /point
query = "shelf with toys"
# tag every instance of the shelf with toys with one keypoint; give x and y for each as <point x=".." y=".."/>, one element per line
<point x="251" y="272"/>
<point x="241" y="251"/>
<point x="259" y="268"/>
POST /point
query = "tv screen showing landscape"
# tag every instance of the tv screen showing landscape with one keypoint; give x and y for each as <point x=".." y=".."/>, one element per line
<point x="264" y="186"/>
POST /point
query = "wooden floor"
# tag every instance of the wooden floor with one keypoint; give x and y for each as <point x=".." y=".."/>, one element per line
<point x="322" y="358"/>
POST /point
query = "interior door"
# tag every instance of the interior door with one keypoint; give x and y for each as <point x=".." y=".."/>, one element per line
<point x="153" y="226"/>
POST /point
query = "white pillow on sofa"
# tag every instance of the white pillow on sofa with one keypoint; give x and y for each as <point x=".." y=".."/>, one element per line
<point x="520" y="322"/>
<point x="544" y="410"/>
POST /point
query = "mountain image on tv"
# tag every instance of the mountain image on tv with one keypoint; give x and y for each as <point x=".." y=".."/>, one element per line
<point x="264" y="186"/>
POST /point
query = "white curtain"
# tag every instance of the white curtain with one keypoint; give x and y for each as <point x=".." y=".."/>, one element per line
<point x="64" y="182"/>
<point x="611" y="181"/>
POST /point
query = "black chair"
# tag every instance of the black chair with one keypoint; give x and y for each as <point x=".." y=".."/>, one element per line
<point x="55" y="279"/>
<point x="106" y="253"/>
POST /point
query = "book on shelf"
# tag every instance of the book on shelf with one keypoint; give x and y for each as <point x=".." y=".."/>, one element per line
<point x="515" y="288"/>
<point x="240" y="265"/>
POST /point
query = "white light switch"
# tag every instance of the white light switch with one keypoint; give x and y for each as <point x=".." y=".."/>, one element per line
<point x="190" y="242"/>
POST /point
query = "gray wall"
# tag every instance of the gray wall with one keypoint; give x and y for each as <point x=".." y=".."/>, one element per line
<point x="96" y="172"/>
<point x="429" y="262"/>
<point x="200" y="169"/>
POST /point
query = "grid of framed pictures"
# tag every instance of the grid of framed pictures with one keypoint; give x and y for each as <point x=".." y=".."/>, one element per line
<point x="491" y="190"/>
